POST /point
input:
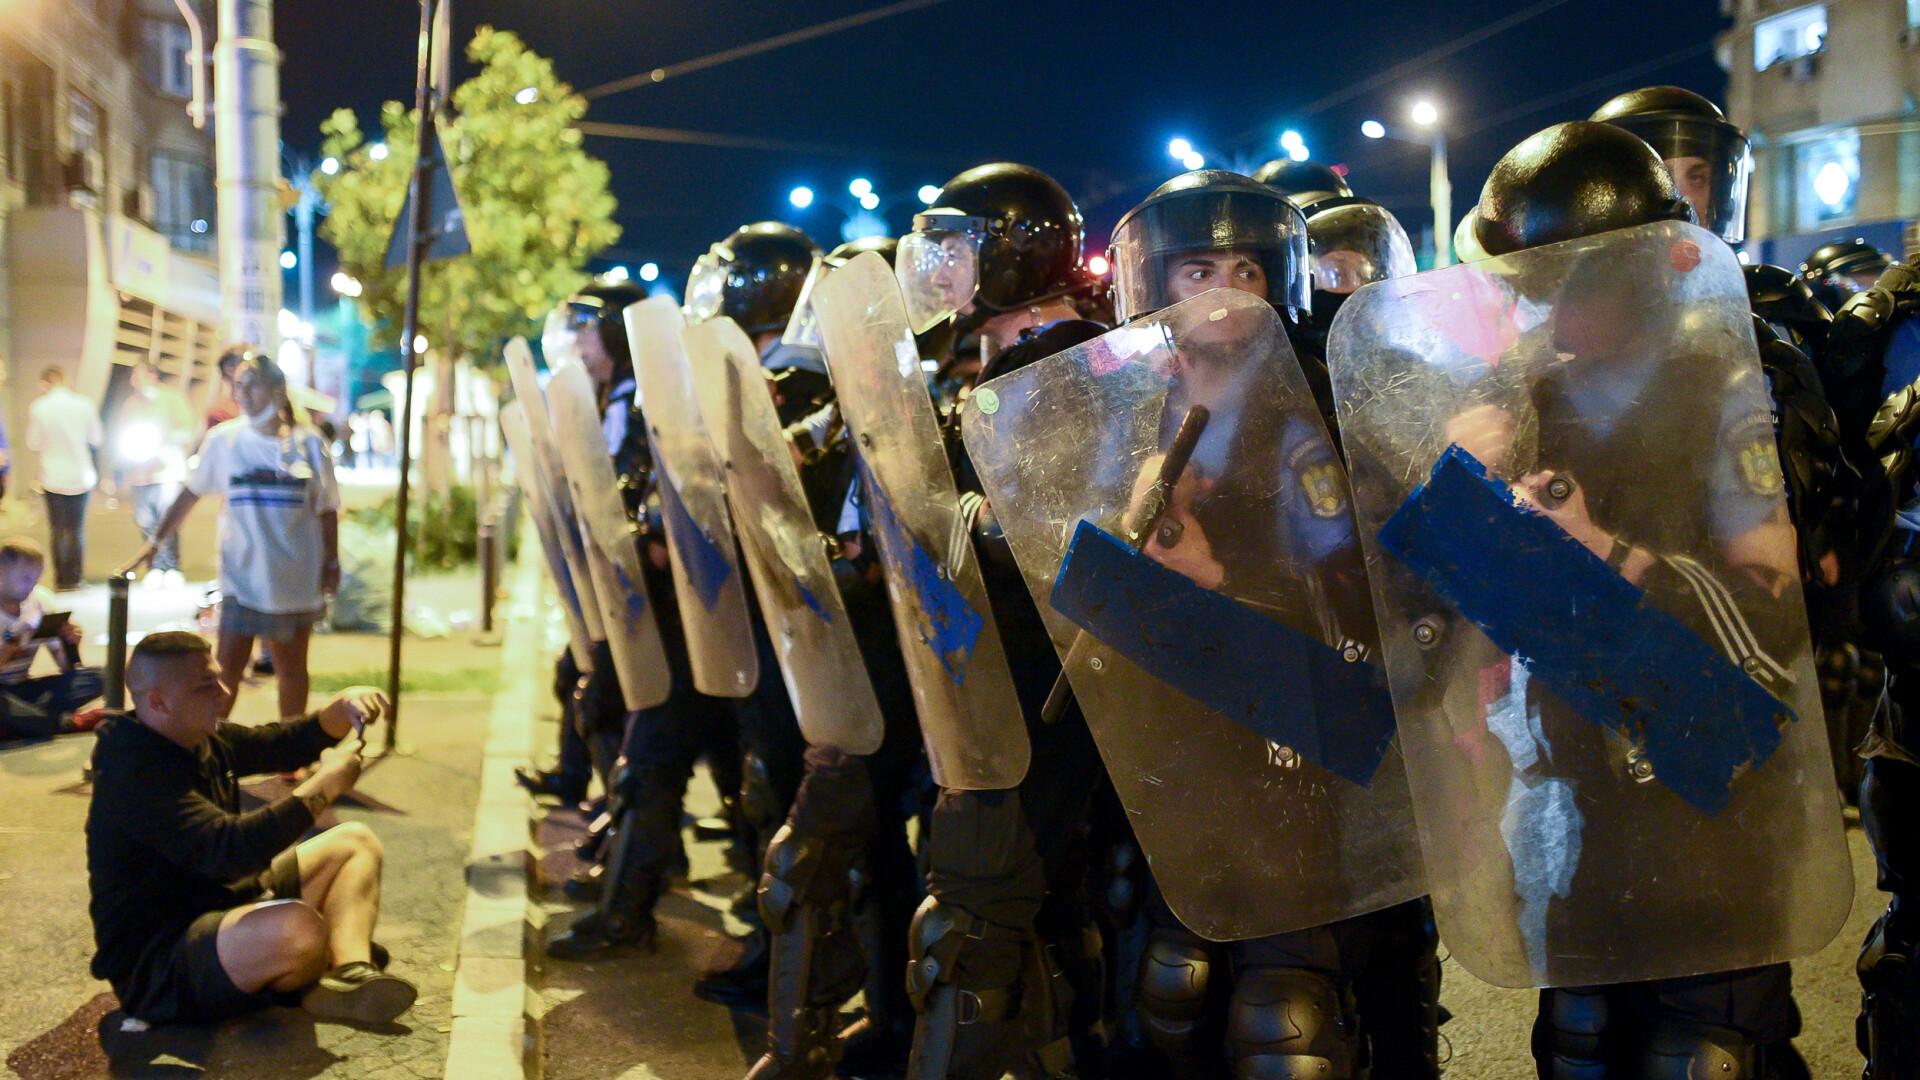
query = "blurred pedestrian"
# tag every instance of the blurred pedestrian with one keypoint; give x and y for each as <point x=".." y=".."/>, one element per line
<point x="154" y="428"/>
<point x="223" y="407"/>
<point x="64" y="429"/>
<point x="279" y="532"/>
<point x="38" y="705"/>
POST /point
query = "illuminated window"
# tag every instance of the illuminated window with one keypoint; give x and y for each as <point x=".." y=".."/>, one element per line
<point x="1827" y="172"/>
<point x="1791" y="35"/>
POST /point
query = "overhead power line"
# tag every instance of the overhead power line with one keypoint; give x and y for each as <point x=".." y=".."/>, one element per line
<point x="741" y="52"/>
<point x="684" y="137"/>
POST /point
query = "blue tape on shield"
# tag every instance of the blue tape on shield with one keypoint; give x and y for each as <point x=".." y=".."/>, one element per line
<point x="1264" y="675"/>
<point x="1586" y="631"/>
<point x="706" y="566"/>
<point x="948" y="624"/>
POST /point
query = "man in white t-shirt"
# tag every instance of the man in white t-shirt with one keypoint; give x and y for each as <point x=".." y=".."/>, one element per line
<point x="64" y="429"/>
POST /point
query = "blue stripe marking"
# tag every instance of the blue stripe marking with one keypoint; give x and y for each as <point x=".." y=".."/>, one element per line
<point x="1262" y="674"/>
<point x="1586" y="631"/>
<point x="947" y="623"/>
<point x="813" y="602"/>
<point x="705" y="565"/>
<point x="636" y="595"/>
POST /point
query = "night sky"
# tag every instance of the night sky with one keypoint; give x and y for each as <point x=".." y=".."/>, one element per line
<point x="1088" y="90"/>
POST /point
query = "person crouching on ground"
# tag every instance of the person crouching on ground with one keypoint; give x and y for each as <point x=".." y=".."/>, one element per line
<point x="200" y="911"/>
<point x="30" y="705"/>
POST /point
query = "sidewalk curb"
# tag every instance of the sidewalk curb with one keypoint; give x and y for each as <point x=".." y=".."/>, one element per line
<point x="493" y="1028"/>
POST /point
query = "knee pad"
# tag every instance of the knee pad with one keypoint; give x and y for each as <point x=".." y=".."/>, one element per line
<point x="1888" y="1029"/>
<point x="802" y="869"/>
<point x="1290" y="1024"/>
<point x="1171" y="994"/>
<point x="1682" y="1051"/>
<point x="949" y="945"/>
<point x="760" y="804"/>
<point x="1570" y="1036"/>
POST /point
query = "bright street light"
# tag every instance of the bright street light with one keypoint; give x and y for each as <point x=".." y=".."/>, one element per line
<point x="1425" y="114"/>
<point x="1373" y="129"/>
<point x="1298" y="151"/>
<point x="344" y="285"/>
<point x="800" y="197"/>
<point x="860" y="188"/>
<point x="288" y="260"/>
<point x="1098" y="265"/>
<point x="869" y="201"/>
<point x="1193" y="161"/>
<point x="419" y="344"/>
<point x="528" y="96"/>
<point x="330" y="166"/>
<point x="1180" y="149"/>
<point x="928" y="193"/>
<point x="649" y="271"/>
<point x="1289" y="140"/>
<point x="618" y="273"/>
<point x="378" y="151"/>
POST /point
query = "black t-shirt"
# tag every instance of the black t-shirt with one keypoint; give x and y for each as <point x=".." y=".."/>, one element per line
<point x="166" y="841"/>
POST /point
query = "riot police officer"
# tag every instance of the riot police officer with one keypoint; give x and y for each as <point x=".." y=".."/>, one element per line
<point x="998" y="254"/>
<point x="1312" y="998"/>
<point x="755" y="277"/>
<point x="1838" y="271"/>
<point x="1304" y="183"/>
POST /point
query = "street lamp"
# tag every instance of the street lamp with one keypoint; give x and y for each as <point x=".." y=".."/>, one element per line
<point x="1426" y="116"/>
<point x="649" y="271"/>
<point x="928" y="193"/>
<point x="800" y="197"/>
<point x="860" y="188"/>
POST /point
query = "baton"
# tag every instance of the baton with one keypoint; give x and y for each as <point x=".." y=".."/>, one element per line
<point x="1146" y="519"/>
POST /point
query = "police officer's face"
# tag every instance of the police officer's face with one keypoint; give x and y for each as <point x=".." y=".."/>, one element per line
<point x="954" y="278"/>
<point x="593" y="354"/>
<point x="1195" y="273"/>
<point x="1694" y="177"/>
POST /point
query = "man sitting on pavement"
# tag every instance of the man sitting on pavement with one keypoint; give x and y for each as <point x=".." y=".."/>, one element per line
<point x="202" y="912"/>
<point x="36" y="706"/>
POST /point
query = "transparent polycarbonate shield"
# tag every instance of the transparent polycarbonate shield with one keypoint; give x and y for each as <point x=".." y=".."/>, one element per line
<point x="693" y="502"/>
<point x="533" y="483"/>
<point x="1172" y="497"/>
<point x="969" y="713"/>
<point x="819" y="658"/>
<point x="1566" y="479"/>
<point x="613" y="556"/>
<point x="546" y="459"/>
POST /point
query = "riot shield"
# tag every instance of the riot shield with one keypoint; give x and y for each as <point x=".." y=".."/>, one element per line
<point x="553" y="476"/>
<point x="1566" y="479"/>
<point x="1173" y="499"/>
<point x="819" y="658"/>
<point x="693" y="503"/>
<point x="969" y="713"/>
<point x="613" y="556"/>
<point x="513" y="424"/>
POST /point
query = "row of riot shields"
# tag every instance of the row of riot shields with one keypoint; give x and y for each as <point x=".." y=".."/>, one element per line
<point x="1543" y="651"/>
<point x="1528" y="636"/>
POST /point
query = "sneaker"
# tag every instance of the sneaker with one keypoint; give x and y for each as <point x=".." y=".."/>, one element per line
<point x="85" y="719"/>
<point x="263" y="664"/>
<point x="360" y="993"/>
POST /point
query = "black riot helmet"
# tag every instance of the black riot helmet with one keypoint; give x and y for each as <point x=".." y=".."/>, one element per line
<point x="1201" y="211"/>
<point x="596" y="309"/>
<point x="804" y="327"/>
<point x="1351" y="243"/>
<point x="1710" y="159"/>
<point x="752" y="277"/>
<point x="1572" y="180"/>
<point x="998" y="237"/>
<point x="1837" y="270"/>
<point x="1304" y="183"/>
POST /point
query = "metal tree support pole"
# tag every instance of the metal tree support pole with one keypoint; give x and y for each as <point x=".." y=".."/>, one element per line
<point x="417" y="239"/>
<point x="116" y="674"/>
<point x="1442" y="187"/>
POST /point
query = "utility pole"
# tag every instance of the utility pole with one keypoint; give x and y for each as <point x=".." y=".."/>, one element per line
<point x="246" y="141"/>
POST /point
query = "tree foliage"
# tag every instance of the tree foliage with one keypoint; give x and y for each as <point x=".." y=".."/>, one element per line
<point x="536" y="204"/>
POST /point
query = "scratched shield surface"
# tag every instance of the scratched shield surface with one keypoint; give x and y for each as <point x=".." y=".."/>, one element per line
<point x="970" y="716"/>
<point x="1588" y="594"/>
<point x="819" y="658"/>
<point x="1178" y="510"/>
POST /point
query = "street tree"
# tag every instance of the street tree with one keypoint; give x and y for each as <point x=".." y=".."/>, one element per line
<point x="536" y="207"/>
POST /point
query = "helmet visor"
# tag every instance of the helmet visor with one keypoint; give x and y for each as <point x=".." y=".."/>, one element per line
<point x="939" y="268"/>
<point x="1172" y="250"/>
<point x="1710" y="162"/>
<point x="706" y="285"/>
<point x="559" y="340"/>
<point x="1357" y="245"/>
<point x="804" y="327"/>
